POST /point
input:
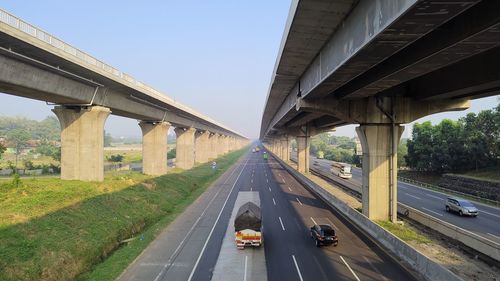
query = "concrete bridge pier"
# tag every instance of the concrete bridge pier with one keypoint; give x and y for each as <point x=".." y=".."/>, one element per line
<point x="202" y="146"/>
<point x="278" y="148"/>
<point x="82" y="142"/>
<point x="230" y="144"/>
<point x="213" y="140"/>
<point x="379" y="189"/>
<point x="220" y="145"/>
<point x="185" y="147"/>
<point x="285" y="149"/>
<point x="154" y="147"/>
<point x="380" y="133"/>
<point x="303" y="144"/>
<point x="223" y="144"/>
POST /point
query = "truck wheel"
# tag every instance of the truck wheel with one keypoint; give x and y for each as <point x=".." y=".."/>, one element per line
<point x="317" y="243"/>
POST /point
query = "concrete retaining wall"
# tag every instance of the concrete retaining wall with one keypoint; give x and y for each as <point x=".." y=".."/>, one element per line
<point x="480" y="188"/>
<point x="472" y="240"/>
<point x="411" y="258"/>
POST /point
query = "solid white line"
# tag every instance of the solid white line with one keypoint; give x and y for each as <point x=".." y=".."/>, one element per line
<point x="282" y="226"/>
<point x="356" y="276"/>
<point x="432" y="211"/>
<point x="192" y="228"/>
<point x="297" y="267"/>
<point x="274" y="202"/>
<point x="245" y="275"/>
<point x="299" y="201"/>
<point x="402" y="187"/>
<point x="489" y="213"/>
<point x="433" y="196"/>
<point x="217" y="220"/>
<point x="313" y="220"/>
<point x="413" y="196"/>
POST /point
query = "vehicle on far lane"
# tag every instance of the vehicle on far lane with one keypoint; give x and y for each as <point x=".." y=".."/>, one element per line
<point x="461" y="206"/>
<point x="342" y="170"/>
<point x="324" y="234"/>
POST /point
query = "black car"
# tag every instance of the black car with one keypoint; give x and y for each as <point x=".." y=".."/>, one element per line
<point x="324" y="234"/>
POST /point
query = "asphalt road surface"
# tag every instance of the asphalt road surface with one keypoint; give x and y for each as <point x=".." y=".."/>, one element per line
<point x="189" y="248"/>
<point x="486" y="224"/>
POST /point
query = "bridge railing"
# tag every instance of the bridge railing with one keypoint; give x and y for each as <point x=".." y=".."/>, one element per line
<point x="35" y="32"/>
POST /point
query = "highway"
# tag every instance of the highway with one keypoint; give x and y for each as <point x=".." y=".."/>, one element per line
<point x="191" y="246"/>
<point x="486" y="224"/>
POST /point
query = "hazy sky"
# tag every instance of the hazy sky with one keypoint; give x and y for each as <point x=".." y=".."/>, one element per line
<point x="216" y="57"/>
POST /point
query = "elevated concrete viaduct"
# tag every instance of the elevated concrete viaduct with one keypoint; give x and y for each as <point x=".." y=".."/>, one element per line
<point x="84" y="91"/>
<point x="378" y="64"/>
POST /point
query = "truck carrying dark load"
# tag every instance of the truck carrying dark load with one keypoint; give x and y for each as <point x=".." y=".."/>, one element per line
<point x="248" y="217"/>
<point x="248" y="221"/>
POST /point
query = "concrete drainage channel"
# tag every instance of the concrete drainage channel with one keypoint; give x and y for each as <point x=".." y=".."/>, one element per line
<point x="409" y="257"/>
<point x="489" y="250"/>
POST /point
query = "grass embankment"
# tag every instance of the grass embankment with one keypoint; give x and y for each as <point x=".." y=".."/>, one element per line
<point x="60" y="230"/>
<point x="404" y="232"/>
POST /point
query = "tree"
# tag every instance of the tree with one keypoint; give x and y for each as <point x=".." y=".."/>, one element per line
<point x="116" y="158"/>
<point x="472" y="142"/>
<point x="171" y="154"/>
<point x="107" y="139"/>
<point x="402" y="153"/>
<point x="49" y="149"/>
<point x="420" y="147"/>
<point x="2" y="149"/>
<point x="19" y="139"/>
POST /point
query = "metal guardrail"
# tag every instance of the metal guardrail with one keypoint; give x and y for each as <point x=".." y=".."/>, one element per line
<point x="35" y="32"/>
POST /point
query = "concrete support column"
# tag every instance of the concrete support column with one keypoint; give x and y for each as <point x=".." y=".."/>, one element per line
<point x="213" y="140"/>
<point x="154" y="147"/>
<point x="378" y="200"/>
<point x="230" y="143"/>
<point x="278" y="148"/>
<point x="303" y="144"/>
<point x="202" y="146"/>
<point x="285" y="149"/>
<point x="82" y="142"/>
<point x="185" y="148"/>
<point x="225" y="144"/>
<point x="220" y="145"/>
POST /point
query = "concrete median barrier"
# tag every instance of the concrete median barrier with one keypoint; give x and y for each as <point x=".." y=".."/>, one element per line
<point x="414" y="261"/>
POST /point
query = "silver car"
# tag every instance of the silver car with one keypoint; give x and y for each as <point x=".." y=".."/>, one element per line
<point x="461" y="206"/>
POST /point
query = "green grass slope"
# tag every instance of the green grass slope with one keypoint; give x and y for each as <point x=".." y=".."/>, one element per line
<point x="65" y="230"/>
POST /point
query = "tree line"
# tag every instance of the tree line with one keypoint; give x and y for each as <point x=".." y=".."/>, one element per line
<point x="472" y="142"/>
<point x="335" y="148"/>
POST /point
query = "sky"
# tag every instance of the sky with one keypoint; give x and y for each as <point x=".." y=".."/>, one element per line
<point x="215" y="56"/>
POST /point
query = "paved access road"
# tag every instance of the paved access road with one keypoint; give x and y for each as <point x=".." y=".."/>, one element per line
<point x="189" y="248"/>
<point x="486" y="224"/>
